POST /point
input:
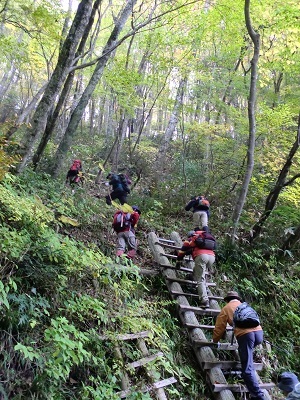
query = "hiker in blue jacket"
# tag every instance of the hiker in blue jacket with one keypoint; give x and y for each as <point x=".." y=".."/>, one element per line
<point x="120" y="189"/>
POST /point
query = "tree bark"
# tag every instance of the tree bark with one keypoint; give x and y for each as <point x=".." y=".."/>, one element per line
<point x="97" y="74"/>
<point x="255" y="37"/>
<point x="65" y="60"/>
<point x="170" y="128"/>
<point x="280" y="184"/>
<point x="51" y="122"/>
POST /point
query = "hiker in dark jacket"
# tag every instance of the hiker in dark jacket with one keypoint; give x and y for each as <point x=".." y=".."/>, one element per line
<point x="124" y="225"/>
<point x="199" y="205"/>
<point x="120" y="191"/>
<point x="247" y="339"/>
<point x="290" y="385"/>
<point x="203" y="259"/>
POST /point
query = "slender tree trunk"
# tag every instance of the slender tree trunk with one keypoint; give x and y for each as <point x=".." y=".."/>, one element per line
<point x="51" y="122"/>
<point x="170" y="128"/>
<point x="65" y="60"/>
<point x="7" y="80"/>
<point x="280" y="184"/>
<point x="255" y="37"/>
<point x="97" y="74"/>
<point x="31" y="106"/>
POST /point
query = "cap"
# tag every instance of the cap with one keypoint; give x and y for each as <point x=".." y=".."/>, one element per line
<point x="232" y="295"/>
<point x="135" y="208"/>
<point x="190" y="233"/>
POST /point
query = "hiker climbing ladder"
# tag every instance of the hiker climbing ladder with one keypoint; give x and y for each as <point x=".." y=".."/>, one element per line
<point x="145" y="365"/>
<point x="215" y="360"/>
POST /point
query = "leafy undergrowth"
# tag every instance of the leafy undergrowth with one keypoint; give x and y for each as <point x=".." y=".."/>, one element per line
<point x="62" y="292"/>
<point x="64" y="298"/>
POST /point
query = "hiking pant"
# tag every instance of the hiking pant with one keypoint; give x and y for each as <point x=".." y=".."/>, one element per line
<point x="246" y="344"/>
<point x="116" y="194"/>
<point x="200" y="219"/>
<point x="203" y="262"/>
<point x="126" y="240"/>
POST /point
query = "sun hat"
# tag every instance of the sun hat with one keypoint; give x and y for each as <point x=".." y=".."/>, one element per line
<point x="232" y="295"/>
<point x="287" y="381"/>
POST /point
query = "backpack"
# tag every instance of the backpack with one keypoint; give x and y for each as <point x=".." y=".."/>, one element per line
<point x="205" y="240"/>
<point x="245" y="316"/>
<point x="76" y="166"/>
<point x="121" y="220"/>
<point x="202" y="201"/>
<point x="125" y="181"/>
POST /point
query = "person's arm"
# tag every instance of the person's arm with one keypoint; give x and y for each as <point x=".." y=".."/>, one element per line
<point x="134" y="218"/>
<point x="220" y="326"/>
<point x="189" y="205"/>
<point x="184" y="249"/>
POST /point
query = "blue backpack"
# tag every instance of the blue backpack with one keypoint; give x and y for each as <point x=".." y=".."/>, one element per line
<point x="245" y="316"/>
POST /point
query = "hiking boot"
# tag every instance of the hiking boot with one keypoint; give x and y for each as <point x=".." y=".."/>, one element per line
<point x="204" y="304"/>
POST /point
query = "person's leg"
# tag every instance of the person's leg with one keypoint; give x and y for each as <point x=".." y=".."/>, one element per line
<point x="246" y="345"/>
<point x="199" y="276"/>
<point x="197" y="219"/>
<point x="204" y="219"/>
<point x="121" y="244"/>
<point x="132" y="244"/>
<point x="200" y="219"/>
<point x="122" y="197"/>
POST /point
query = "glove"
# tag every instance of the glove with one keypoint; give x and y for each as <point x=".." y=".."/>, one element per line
<point x="106" y="183"/>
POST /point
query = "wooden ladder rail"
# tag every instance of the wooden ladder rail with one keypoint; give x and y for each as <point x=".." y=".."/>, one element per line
<point x="204" y="353"/>
<point x="156" y="387"/>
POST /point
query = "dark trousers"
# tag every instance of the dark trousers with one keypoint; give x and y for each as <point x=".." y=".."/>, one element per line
<point x="116" y="194"/>
<point x="246" y="345"/>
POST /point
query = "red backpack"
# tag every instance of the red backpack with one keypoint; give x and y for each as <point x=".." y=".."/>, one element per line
<point x="76" y="166"/>
<point x="121" y="221"/>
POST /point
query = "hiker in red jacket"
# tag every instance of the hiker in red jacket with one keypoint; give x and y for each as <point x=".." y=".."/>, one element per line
<point x="203" y="258"/>
<point x="74" y="173"/>
<point x="124" y="224"/>
<point x="247" y="339"/>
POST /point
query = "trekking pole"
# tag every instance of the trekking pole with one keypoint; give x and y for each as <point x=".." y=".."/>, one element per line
<point x="276" y="347"/>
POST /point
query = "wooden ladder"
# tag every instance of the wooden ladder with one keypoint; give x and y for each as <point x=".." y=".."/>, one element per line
<point x="210" y="356"/>
<point x="146" y="362"/>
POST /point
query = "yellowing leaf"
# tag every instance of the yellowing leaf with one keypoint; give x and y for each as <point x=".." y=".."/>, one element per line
<point x="101" y="166"/>
<point x="125" y="207"/>
<point x="68" y="220"/>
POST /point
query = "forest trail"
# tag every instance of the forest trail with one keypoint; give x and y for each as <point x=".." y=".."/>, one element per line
<point x="219" y="362"/>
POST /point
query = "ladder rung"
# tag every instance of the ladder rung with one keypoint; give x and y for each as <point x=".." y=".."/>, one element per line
<point x="198" y="310"/>
<point x="218" y="387"/>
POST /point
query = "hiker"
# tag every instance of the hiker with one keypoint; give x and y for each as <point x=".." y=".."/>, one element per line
<point x="120" y="188"/>
<point x="74" y="175"/>
<point x="124" y="225"/>
<point x="200" y="208"/>
<point x="203" y="258"/>
<point x="247" y="339"/>
<point x="289" y="384"/>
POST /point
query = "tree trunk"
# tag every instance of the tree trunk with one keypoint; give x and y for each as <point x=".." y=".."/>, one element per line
<point x="7" y="80"/>
<point x="170" y="128"/>
<point x="280" y="184"/>
<point x="255" y="37"/>
<point x="51" y="122"/>
<point x="26" y="112"/>
<point x="97" y="74"/>
<point x="65" y="60"/>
